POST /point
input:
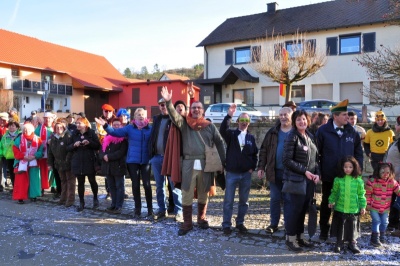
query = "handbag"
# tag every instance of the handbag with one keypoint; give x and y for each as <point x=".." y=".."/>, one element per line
<point x="295" y="187"/>
<point x="212" y="161"/>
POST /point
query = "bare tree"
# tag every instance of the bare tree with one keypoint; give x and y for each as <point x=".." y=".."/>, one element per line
<point x="288" y="61"/>
<point x="383" y="69"/>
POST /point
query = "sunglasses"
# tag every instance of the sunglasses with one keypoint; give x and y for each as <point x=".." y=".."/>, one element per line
<point x="107" y="111"/>
<point x="162" y="104"/>
<point x="244" y="120"/>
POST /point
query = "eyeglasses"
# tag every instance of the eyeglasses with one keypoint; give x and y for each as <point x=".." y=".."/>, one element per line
<point x="197" y="107"/>
<point x="162" y="104"/>
<point x="244" y="120"/>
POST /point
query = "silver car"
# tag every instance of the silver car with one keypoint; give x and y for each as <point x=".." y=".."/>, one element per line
<point x="217" y="112"/>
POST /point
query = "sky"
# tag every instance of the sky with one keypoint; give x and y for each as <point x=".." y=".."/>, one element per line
<point x="130" y="33"/>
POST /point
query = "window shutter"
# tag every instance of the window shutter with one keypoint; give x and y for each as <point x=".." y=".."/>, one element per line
<point x="229" y="57"/>
<point x="312" y="44"/>
<point x="331" y="46"/>
<point x="369" y="42"/>
<point x="136" y="95"/>
<point x="278" y="50"/>
<point x="255" y="53"/>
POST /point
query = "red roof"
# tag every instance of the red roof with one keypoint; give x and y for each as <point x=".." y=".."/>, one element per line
<point x="88" y="69"/>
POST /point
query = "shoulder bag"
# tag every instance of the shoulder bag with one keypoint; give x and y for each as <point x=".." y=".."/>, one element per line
<point x="212" y="160"/>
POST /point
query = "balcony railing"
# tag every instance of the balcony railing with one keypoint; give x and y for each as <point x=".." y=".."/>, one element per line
<point x="26" y="85"/>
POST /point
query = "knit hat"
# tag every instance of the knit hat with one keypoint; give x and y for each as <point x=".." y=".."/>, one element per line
<point x="340" y="107"/>
<point x="179" y="102"/>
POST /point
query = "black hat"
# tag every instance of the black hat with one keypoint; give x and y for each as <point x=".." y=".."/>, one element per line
<point x="179" y="102"/>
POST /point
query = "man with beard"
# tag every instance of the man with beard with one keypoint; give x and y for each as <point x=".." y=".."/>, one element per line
<point x="196" y="132"/>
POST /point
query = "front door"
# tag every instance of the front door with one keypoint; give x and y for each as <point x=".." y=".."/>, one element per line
<point x="94" y="102"/>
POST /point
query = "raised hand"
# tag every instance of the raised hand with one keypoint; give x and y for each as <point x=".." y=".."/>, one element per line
<point x="100" y="121"/>
<point x="232" y="110"/>
<point x="165" y="94"/>
<point x="190" y="89"/>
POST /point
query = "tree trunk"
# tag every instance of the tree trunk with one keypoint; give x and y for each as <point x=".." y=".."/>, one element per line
<point x="288" y="92"/>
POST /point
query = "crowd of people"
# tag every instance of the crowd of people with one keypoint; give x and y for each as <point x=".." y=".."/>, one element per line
<point x="297" y="153"/>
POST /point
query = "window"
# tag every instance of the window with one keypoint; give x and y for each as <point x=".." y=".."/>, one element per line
<point x="350" y="44"/>
<point x="242" y="55"/>
<point x="15" y="72"/>
<point x="293" y="48"/>
<point x="298" y="93"/>
<point x="135" y="95"/>
<point x="243" y="96"/>
<point x="27" y="99"/>
<point x="216" y="108"/>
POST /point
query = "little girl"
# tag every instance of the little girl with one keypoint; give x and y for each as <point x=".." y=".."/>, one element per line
<point x="348" y="201"/>
<point x="380" y="188"/>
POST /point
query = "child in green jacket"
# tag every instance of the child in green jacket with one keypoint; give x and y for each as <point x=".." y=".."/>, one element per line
<point x="348" y="201"/>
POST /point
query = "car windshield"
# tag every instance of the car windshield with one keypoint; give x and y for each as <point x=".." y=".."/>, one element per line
<point x="247" y="108"/>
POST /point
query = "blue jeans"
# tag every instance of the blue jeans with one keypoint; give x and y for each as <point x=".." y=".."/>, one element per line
<point x="116" y="187"/>
<point x="276" y="196"/>
<point x="156" y="165"/>
<point x="379" y="221"/>
<point x="243" y="180"/>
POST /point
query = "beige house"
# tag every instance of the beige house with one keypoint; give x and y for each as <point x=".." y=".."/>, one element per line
<point x="343" y="28"/>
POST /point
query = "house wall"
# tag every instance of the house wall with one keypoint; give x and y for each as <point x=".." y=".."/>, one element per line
<point x="150" y="94"/>
<point x="340" y="72"/>
<point x="29" y="101"/>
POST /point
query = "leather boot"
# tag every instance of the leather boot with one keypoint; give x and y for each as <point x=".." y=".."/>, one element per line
<point x="187" y="221"/>
<point x="382" y="238"/>
<point x="302" y="242"/>
<point x="291" y="243"/>
<point x="375" y="240"/>
<point x="201" y="216"/>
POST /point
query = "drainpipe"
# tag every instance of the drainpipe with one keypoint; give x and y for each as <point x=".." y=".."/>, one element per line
<point x="206" y="63"/>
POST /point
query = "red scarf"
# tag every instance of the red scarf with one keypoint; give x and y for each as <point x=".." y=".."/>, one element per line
<point x="110" y="139"/>
<point x="197" y="124"/>
<point x="24" y="142"/>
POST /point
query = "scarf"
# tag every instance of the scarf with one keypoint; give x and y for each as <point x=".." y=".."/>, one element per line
<point x="110" y="139"/>
<point x="197" y="124"/>
<point x="140" y="124"/>
<point x="24" y="142"/>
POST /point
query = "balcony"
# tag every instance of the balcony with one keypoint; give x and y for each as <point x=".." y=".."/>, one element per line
<point x="33" y="86"/>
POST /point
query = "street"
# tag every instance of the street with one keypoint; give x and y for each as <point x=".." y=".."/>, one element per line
<point x="43" y="233"/>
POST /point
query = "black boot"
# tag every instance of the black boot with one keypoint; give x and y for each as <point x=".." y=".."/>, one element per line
<point x="302" y="242"/>
<point x="375" y="240"/>
<point x="382" y="238"/>
<point x="80" y="207"/>
<point x="95" y="203"/>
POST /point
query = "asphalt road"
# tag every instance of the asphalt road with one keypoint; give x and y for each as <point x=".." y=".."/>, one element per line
<point x="43" y="233"/>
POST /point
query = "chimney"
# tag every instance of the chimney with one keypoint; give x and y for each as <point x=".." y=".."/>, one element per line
<point x="271" y="7"/>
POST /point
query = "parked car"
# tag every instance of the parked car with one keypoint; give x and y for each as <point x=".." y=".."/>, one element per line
<point x="217" y="112"/>
<point x="322" y="105"/>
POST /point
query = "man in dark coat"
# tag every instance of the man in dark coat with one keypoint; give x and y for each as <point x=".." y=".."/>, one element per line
<point x="335" y="140"/>
<point x="241" y="161"/>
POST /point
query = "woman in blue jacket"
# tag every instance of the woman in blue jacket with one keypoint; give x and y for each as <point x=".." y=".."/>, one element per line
<point x="137" y="159"/>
